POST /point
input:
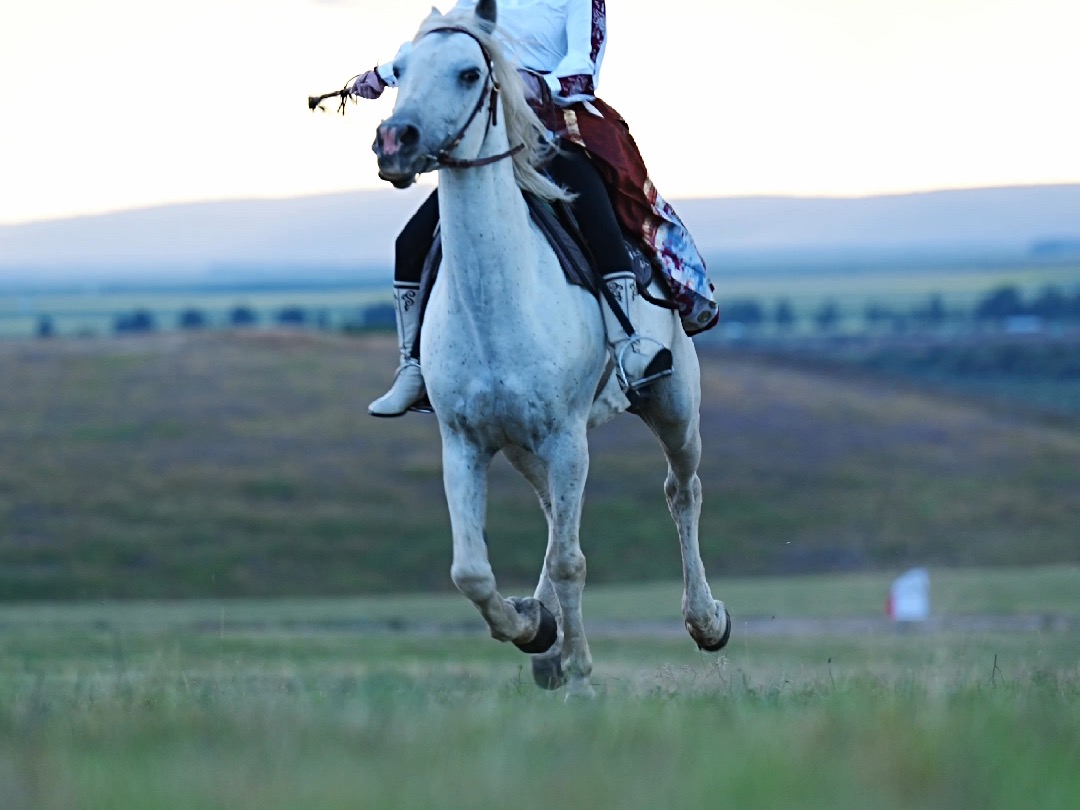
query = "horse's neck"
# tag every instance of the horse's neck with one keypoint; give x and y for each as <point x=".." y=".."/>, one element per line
<point x="490" y="254"/>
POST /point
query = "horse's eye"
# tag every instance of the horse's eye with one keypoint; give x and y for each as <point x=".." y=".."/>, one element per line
<point x="470" y="76"/>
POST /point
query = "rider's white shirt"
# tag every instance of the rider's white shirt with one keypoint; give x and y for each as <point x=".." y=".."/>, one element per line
<point x="553" y="37"/>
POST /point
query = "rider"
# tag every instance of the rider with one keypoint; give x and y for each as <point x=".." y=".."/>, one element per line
<point x="558" y="46"/>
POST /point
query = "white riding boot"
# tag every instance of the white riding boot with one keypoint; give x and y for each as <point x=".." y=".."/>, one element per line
<point x="408" y="388"/>
<point x="640" y="360"/>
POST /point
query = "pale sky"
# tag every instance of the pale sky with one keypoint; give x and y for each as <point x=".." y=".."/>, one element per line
<point x="116" y="104"/>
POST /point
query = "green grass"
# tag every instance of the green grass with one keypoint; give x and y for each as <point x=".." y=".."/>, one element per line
<point x="165" y="706"/>
<point x="225" y="465"/>
<point x="1050" y="590"/>
<point x="1036" y="374"/>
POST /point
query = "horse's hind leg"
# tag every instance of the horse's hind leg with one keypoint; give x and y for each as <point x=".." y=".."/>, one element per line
<point x="706" y="619"/>
<point x="676" y="423"/>
<point x="525" y="622"/>
<point x="547" y="666"/>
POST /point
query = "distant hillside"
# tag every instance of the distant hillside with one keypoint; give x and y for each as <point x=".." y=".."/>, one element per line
<point x="333" y="231"/>
<point x="243" y="464"/>
<point x="985" y="221"/>
<point x="354" y="232"/>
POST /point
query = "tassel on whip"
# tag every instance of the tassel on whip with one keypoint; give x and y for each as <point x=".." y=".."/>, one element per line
<point x="315" y="102"/>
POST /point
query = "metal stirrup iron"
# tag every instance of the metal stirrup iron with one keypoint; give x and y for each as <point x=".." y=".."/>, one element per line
<point x="659" y="370"/>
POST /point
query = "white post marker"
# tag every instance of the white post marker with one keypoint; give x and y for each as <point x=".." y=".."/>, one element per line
<point x="909" y="596"/>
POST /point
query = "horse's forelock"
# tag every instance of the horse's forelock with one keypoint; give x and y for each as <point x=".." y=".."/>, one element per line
<point x="522" y="124"/>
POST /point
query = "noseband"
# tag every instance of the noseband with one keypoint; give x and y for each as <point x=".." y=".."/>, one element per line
<point x="442" y="156"/>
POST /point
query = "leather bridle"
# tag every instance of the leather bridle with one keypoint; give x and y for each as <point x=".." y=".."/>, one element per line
<point x="442" y="155"/>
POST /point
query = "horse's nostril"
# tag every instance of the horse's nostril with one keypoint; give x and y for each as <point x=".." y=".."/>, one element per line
<point x="409" y="136"/>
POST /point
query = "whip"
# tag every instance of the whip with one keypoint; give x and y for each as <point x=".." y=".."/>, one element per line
<point x="315" y="102"/>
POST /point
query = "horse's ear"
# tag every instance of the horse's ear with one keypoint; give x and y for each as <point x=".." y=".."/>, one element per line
<point x="485" y="12"/>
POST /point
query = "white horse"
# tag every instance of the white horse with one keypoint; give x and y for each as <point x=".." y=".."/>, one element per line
<point x="515" y="359"/>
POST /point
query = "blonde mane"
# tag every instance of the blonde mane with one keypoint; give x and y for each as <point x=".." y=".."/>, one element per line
<point x="522" y="124"/>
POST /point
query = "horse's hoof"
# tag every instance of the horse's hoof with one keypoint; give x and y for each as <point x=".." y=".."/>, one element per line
<point x="580" y="691"/>
<point x="546" y="634"/>
<point x="719" y="645"/>
<point x="548" y="673"/>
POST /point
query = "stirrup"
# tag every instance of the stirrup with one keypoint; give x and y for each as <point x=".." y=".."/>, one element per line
<point x="638" y="392"/>
<point x="659" y="367"/>
<point x="422" y="405"/>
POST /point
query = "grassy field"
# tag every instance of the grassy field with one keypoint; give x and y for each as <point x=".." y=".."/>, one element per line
<point x="244" y="464"/>
<point x="277" y="704"/>
<point x="240" y="468"/>
<point x="1038" y="373"/>
<point x="226" y="465"/>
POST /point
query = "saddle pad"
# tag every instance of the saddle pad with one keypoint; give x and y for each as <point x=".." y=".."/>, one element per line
<point x="567" y="243"/>
<point x="576" y="266"/>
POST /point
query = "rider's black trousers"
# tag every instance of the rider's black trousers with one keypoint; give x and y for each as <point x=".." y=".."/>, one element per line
<point x="571" y="169"/>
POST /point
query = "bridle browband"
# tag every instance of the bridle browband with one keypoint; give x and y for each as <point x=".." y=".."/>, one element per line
<point x="442" y="156"/>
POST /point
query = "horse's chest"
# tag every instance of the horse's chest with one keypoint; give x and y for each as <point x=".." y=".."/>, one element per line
<point x="502" y="409"/>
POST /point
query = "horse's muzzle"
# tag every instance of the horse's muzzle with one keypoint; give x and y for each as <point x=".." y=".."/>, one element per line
<point x="397" y="146"/>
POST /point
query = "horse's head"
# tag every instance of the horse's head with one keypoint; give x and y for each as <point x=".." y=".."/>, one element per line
<point x="460" y="103"/>
<point x="447" y="88"/>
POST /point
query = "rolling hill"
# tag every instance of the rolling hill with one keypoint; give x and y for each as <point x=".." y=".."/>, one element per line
<point x="243" y="464"/>
<point x="351" y="234"/>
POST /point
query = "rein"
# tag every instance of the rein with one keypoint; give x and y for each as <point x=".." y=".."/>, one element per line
<point x="442" y="157"/>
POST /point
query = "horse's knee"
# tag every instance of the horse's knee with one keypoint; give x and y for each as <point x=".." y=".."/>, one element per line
<point x="682" y="492"/>
<point x="671" y="487"/>
<point x="478" y="584"/>
<point x="567" y="566"/>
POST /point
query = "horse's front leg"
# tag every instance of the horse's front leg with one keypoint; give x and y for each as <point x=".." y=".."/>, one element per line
<point x="523" y="621"/>
<point x="567" y="462"/>
<point x="546" y="667"/>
